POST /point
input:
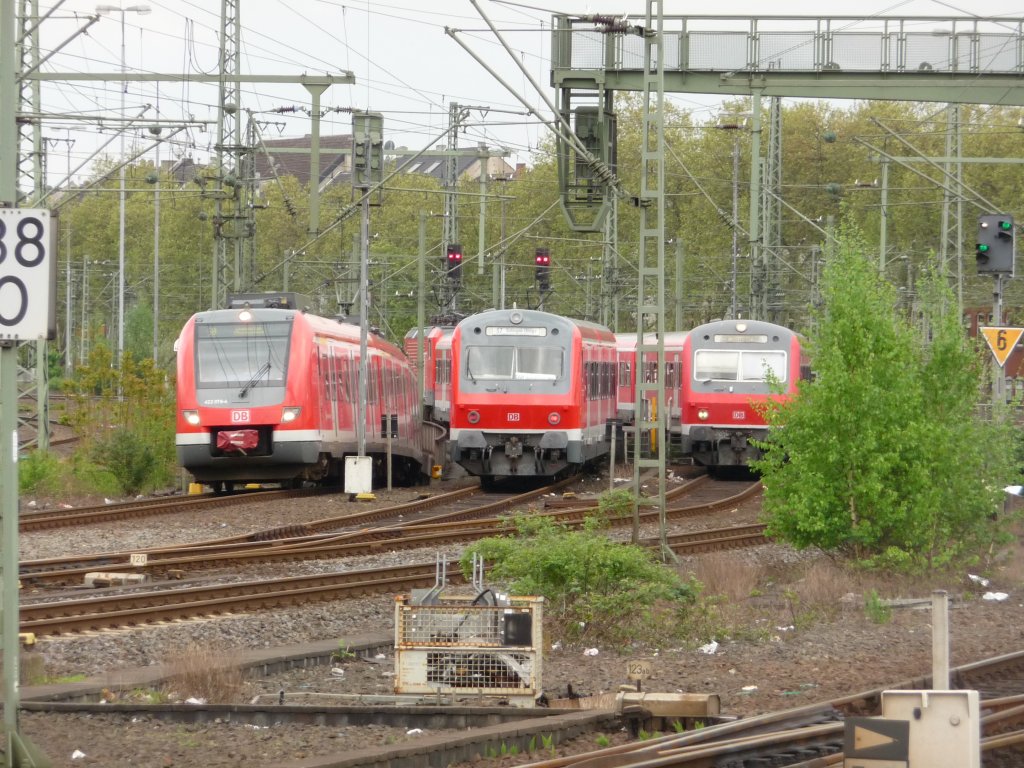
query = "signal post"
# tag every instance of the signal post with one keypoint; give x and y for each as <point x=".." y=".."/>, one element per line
<point x="994" y="252"/>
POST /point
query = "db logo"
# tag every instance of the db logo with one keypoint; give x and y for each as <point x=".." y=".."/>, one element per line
<point x="513" y="416"/>
<point x="239" y="417"/>
<point x="739" y="415"/>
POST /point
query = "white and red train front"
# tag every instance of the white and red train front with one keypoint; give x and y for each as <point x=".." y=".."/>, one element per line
<point x="271" y="395"/>
<point x="532" y="393"/>
<point x="730" y="369"/>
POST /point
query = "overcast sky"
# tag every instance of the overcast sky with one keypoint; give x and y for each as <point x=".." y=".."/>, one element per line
<point x="404" y="63"/>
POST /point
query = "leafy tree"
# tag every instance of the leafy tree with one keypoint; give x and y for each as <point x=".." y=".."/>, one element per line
<point x="883" y="455"/>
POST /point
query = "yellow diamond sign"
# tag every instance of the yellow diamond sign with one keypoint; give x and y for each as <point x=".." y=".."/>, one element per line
<point x="1002" y="341"/>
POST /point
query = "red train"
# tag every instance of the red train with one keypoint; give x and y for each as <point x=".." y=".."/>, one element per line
<point x="437" y="367"/>
<point x="269" y="393"/>
<point x="725" y="365"/>
<point x="532" y="393"/>
<point x="627" y="372"/>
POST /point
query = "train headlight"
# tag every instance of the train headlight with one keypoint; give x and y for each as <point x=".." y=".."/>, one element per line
<point x="473" y="417"/>
<point x="192" y="417"/>
<point x="290" y="414"/>
<point x="554" y="418"/>
<point x="702" y="414"/>
<point x="245" y="315"/>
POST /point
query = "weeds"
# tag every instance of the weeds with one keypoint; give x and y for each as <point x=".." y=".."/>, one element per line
<point x="876" y="609"/>
<point x="39" y="472"/>
<point x="603" y="741"/>
<point x="343" y="653"/>
<point x="204" y="673"/>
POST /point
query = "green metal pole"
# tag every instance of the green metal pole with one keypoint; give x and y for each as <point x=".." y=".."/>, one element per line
<point x="482" y="229"/>
<point x="679" y="284"/>
<point x="421" y="310"/>
<point x="9" y="403"/>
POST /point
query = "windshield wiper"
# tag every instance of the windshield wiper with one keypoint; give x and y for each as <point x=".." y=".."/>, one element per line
<point x="263" y="369"/>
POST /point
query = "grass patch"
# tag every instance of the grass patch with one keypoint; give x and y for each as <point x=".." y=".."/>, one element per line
<point x="204" y="673"/>
<point x="718" y="573"/>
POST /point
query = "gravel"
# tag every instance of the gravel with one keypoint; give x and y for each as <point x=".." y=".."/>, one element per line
<point x="781" y="646"/>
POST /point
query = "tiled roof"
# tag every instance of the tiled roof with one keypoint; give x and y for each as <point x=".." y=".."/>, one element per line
<point x="297" y="163"/>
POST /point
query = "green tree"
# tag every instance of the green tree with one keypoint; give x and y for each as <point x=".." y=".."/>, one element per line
<point x="883" y="455"/>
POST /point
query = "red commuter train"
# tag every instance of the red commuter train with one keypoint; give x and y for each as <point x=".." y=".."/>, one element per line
<point x="269" y="393"/>
<point x="533" y="394"/>
<point x="437" y="365"/>
<point x="725" y="378"/>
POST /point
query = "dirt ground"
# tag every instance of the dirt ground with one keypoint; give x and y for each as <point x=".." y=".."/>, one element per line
<point x="795" y="641"/>
<point x="783" y="629"/>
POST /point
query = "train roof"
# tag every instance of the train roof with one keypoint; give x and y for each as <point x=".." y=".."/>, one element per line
<point x="626" y="342"/>
<point x="742" y="326"/>
<point x="323" y="325"/>
<point x="516" y="316"/>
<point x="429" y="331"/>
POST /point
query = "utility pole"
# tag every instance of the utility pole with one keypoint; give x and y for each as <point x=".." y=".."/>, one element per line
<point x="367" y="172"/>
<point x="30" y="184"/>
<point x="650" y="299"/>
<point x="29" y="279"/>
<point x="229" y="154"/>
<point x="450" y="233"/>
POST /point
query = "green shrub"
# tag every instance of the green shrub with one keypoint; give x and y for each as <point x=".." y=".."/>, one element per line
<point x="129" y="458"/>
<point x="595" y="589"/>
<point x="616" y="504"/>
<point x="39" y="471"/>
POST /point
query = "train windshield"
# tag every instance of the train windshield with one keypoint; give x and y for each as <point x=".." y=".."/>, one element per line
<point x="513" y="363"/>
<point x="738" y="365"/>
<point x="243" y="355"/>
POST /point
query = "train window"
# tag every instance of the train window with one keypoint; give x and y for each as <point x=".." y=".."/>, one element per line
<point x="734" y="365"/>
<point x="489" y="362"/>
<point x="623" y="374"/>
<point x="538" y="363"/>
<point x="759" y="366"/>
<point x="343" y="391"/>
<point x="670" y="375"/>
<point x="716" y="365"/>
<point x="505" y="363"/>
<point x="373" y="382"/>
<point x="242" y="354"/>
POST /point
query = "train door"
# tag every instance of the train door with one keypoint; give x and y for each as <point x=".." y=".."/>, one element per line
<point x="349" y="410"/>
<point x="373" y="396"/>
<point x="335" y="382"/>
<point x="388" y="398"/>
<point x="323" y="389"/>
<point x="587" y="370"/>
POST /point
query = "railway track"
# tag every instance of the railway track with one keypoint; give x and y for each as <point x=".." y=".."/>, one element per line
<point x="811" y="736"/>
<point x="462" y="518"/>
<point x="49" y="519"/>
<point x="167" y="600"/>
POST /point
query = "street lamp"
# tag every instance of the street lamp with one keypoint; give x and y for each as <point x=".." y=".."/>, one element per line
<point x="141" y="10"/>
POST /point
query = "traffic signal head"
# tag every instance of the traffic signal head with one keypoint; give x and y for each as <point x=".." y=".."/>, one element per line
<point x="455" y="261"/>
<point x="994" y="248"/>
<point x="542" y="262"/>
